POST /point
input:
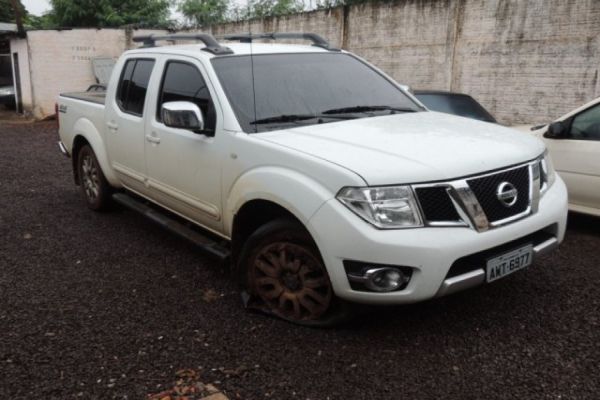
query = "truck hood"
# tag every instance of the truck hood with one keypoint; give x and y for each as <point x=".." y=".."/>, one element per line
<point x="411" y="147"/>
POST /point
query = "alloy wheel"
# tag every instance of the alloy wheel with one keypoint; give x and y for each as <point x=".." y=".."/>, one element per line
<point x="291" y="281"/>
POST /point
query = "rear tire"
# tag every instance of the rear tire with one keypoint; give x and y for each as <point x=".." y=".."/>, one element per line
<point x="284" y="275"/>
<point x="94" y="186"/>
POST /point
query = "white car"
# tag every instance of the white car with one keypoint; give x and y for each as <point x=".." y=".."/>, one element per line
<point x="573" y="141"/>
<point x="322" y="180"/>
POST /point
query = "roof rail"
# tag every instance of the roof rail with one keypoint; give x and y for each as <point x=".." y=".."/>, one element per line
<point x="212" y="45"/>
<point x="316" y="40"/>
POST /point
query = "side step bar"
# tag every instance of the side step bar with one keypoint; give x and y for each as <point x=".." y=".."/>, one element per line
<point x="205" y="243"/>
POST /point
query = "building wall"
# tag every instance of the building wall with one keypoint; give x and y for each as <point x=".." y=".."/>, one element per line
<point x="20" y="47"/>
<point x="60" y="61"/>
<point x="527" y="61"/>
<point x="328" y="23"/>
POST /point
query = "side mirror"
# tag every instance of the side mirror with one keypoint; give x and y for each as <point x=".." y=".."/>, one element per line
<point x="556" y="130"/>
<point x="182" y="115"/>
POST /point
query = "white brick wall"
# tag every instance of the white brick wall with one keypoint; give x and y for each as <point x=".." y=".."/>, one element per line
<point x="61" y="62"/>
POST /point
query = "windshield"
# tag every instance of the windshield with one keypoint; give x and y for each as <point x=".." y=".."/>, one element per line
<point x="305" y="89"/>
<point x="456" y="104"/>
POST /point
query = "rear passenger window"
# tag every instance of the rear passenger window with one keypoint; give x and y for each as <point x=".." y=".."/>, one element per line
<point x="131" y="94"/>
<point x="183" y="82"/>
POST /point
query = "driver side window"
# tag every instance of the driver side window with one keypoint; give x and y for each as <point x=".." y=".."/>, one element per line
<point x="586" y="125"/>
<point x="183" y="82"/>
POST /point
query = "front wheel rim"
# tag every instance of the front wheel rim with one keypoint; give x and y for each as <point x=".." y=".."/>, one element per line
<point x="291" y="281"/>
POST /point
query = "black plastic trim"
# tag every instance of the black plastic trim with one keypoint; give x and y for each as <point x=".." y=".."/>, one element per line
<point x="212" y="45"/>
<point x="317" y="40"/>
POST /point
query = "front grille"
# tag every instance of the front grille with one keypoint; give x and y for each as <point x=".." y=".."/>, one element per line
<point x="485" y="189"/>
<point x="436" y="204"/>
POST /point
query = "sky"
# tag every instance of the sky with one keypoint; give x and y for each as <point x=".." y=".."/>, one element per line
<point x="38" y="7"/>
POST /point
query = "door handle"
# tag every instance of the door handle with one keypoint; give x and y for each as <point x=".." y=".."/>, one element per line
<point x="152" y="139"/>
<point x="112" y="126"/>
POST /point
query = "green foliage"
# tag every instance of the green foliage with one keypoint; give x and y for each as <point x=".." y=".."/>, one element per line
<point x="204" y="12"/>
<point x="326" y="4"/>
<point x="110" y="13"/>
<point x="45" y="21"/>
<point x="269" y="8"/>
<point x="7" y="14"/>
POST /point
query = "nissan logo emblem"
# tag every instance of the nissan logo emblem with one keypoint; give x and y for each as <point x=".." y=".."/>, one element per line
<point x="507" y="194"/>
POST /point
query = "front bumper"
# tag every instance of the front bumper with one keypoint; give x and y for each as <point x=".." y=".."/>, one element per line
<point x="430" y="251"/>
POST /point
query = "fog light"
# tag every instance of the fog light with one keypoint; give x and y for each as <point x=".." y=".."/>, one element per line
<point x="369" y="277"/>
<point x="384" y="279"/>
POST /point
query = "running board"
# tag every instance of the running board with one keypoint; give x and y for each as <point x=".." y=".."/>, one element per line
<point x="205" y="243"/>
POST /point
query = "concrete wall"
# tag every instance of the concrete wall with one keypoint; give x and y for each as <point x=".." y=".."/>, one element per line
<point x="527" y="61"/>
<point x="20" y="47"/>
<point x="60" y="61"/>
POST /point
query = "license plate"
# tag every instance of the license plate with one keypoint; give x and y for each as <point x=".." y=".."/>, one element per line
<point x="507" y="263"/>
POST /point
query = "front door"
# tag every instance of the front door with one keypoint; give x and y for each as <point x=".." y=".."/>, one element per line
<point x="184" y="167"/>
<point x="576" y="158"/>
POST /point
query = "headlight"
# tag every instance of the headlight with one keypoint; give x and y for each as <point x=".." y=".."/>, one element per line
<point x="389" y="207"/>
<point x="548" y="175"/>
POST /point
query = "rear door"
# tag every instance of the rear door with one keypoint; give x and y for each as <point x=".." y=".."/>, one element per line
<point x="125" y="123"/>
<point x="577" y="157"/>
<point x="184" y="167"/>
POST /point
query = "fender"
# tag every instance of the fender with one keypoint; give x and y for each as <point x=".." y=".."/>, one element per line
<point x="300" y="195"/>
<point x="85" y="128"/>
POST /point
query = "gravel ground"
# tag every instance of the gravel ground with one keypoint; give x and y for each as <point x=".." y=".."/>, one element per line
<point x="101" y="306"/>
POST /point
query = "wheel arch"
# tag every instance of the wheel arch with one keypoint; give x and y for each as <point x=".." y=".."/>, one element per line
<point x="86" y="133"/>
<point x="251" y="216"/>
<point x="264" y="194"/>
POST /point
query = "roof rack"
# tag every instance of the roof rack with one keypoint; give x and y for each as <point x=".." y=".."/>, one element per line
<point x="212" y="45"/>
<point x="316" y="40"/>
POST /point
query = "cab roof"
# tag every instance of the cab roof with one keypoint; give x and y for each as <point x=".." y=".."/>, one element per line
<point x="195" y="50"/>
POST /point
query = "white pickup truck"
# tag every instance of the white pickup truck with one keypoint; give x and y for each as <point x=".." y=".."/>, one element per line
<point x="312" y="172"/>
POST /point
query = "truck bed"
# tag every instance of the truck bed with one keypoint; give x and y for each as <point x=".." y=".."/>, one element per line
<point x="80" y="111"/>
<point x="97" y="97"/>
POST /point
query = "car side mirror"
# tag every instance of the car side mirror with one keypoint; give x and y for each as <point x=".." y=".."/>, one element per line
<point x="556" y="130"/>
<point x="182" y="115"/>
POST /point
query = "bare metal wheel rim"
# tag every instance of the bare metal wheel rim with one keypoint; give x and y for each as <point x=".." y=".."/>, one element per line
<point x="291" y="281"/>
<point x="91" y="180"/>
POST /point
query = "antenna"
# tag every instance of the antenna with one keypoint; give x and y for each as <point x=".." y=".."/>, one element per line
<point x="253" y="80"/>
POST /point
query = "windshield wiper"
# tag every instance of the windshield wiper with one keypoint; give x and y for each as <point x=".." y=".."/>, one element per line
<point x="362" y="109"/>
<point x="292" y="118"/>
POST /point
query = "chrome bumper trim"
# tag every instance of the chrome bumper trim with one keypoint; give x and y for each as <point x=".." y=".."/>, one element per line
<point x="461" y="282"/>
<point x="477" y="277"/>
<point x="63" y="149"/>
<point x="545" y="247"/>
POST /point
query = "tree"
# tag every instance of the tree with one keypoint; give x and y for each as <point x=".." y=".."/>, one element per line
<point x="7" y="10"/>
<point x="110" y="13"/>
<point x="13" y="11"/>
<point x="269" y="8"/>
<point x="204" y="12"/>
